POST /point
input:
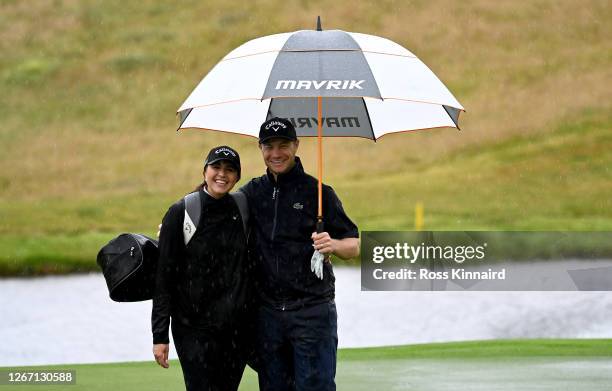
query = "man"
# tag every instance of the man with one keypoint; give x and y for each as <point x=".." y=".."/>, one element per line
<point x="297" y="321"/>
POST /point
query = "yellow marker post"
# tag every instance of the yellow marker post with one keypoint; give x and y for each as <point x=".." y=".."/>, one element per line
<point x="418" y="216"/>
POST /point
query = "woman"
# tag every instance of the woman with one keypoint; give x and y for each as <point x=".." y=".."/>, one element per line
<point x="203" y="286"/>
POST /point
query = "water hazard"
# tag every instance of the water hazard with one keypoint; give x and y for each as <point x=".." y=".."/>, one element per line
<point x="70" y="319"/>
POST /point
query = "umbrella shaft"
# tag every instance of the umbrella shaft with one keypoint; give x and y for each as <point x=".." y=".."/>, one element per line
<point x="320" y="157"/>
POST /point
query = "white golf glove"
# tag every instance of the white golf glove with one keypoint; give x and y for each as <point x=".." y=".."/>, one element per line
<point x="316" y="264"/>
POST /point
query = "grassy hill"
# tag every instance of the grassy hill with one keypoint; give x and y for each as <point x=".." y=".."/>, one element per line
<point x="90" y="88"/>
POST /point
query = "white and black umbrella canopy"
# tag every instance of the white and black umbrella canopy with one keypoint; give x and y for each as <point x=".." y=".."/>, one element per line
<point x="370" y="86"/>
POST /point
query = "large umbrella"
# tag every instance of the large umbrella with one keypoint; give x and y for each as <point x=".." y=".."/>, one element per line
<point x="369" y="86"/>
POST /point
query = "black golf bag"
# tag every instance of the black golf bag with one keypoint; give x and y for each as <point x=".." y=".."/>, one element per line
<point x="128" y="263"/>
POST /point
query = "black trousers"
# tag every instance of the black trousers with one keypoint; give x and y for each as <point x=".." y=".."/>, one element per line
<point x="210" y="360"/>
<point x="297" y="348"/>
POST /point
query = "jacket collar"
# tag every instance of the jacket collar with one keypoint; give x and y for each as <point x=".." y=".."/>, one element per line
<point x="296" y="171"/>
<point x="207" y="199"/>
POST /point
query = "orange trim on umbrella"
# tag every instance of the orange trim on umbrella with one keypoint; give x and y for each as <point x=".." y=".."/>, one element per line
<point x="249" y="55"/>
<point x="313" y="97"/>
<point x="218" y="130"/>
<point x="316" y="50"/>
<point x="391" y="54"/>
<point x="367" y="138"/>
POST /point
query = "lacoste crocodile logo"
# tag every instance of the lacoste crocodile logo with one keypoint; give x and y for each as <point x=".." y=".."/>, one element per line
<point x="298" y="206"/>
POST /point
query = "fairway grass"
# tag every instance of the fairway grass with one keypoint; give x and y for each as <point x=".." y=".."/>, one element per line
<point x="478" y="365"/>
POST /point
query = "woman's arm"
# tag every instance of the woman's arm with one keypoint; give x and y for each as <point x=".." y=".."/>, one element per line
<point x="160" y="352"/>
<point x="170" y="247"/>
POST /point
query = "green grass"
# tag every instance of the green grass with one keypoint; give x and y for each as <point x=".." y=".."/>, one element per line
<point x="545" y="364"/>
<point x="553" y="181"/>
<point x="44" y="255"/>
<point x="470" y="190"/>
<point x="90" y="88"/>
<point x="486" y="350"/>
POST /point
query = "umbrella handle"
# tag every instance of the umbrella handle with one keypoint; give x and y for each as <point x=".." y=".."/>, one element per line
<point x="320" y="225"/>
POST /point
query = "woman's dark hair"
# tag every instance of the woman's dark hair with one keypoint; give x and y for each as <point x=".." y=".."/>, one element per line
<point x="199" y="187"/>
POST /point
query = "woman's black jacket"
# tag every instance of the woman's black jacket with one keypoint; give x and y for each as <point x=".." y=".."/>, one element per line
<point x="205" y="284"/>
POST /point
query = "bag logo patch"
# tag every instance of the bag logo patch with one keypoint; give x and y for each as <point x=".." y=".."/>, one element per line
<point x="188" y="228"/>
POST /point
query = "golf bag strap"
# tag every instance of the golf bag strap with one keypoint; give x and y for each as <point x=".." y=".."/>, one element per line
<point x="193" y="209"/>
<point x="243" y="207"/>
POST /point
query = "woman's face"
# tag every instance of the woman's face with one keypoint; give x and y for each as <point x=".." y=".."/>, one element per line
<point x="220" y="178"/>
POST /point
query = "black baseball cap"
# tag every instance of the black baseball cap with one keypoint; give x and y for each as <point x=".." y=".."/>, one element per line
<point x="226" y="153"/>
<point x="276" y="128"/>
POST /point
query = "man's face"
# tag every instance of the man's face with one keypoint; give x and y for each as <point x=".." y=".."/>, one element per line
<point x="279" y="154"/>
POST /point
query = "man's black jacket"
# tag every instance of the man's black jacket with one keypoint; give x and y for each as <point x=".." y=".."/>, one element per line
<point x="205" y="284"/>
<point x="283" y="218"/>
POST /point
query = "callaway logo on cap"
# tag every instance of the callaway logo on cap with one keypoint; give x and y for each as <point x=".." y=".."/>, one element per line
<point x="223" y="153"/>
<point x="275" y="125"/>
<point x="277" y="128"/>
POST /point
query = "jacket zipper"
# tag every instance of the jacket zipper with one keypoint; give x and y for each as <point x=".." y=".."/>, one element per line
<point x="275" y="198"/>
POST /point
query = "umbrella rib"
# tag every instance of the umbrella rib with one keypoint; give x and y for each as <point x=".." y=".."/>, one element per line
<point x="421" y="101"/>
<point x="218" y="130"/>
<point x="269" y="112"/>
<point x="317" y="50"/>
<point x="451" y="117"/>
<point x="184" y="118"/>
<point x="366" y="64"/>
<point x="314" y="96"/>
<point x="263" y="93"/>
<point x="369" y="119"/>
<point x="417" y="130"/>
